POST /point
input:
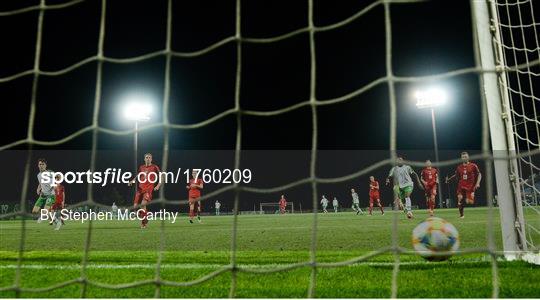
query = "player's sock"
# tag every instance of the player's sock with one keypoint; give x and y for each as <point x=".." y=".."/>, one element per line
<point x="142" y="216"/>
<point x="460" y="207"/>
<point x="400" y="205"/>
<point x="58" y="221"/>
<point x="55" y="217"/>
<point x="370" y="208"/>
<point x="382" y="210"/>
<point x="39" y="220"/>
<point x="408" y="204"/>
<point x="145" y="219"/>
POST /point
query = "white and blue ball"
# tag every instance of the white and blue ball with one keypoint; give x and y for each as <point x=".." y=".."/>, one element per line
<point x="433" y="237"/>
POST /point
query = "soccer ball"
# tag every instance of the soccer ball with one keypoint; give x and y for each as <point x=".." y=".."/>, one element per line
<point x="433" y="236"/>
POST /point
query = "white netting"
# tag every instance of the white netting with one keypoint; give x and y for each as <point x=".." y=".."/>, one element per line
<point x="273" y="208"/>
<point x="520" y="44"/>
<point x="389" y="79"/>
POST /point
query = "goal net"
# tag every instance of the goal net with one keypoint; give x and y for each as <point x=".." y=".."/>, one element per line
<point x="517" y="43"/>
<point x="507" y="64"/>
<point x="273" y="208"/>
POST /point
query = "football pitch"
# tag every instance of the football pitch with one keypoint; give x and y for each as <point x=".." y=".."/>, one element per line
<point x="122" y="258"/>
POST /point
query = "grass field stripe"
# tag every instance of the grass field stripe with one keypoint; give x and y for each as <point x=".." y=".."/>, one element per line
<point x="212" y="266"/>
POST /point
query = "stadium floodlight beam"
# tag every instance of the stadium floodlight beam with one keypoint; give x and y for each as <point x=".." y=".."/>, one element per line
<point x="137" y="111"/>
<point x="432" y="98"/>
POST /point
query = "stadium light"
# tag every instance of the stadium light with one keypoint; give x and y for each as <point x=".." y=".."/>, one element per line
<point x="431" y="98"/>
<point x="137" y="109"/>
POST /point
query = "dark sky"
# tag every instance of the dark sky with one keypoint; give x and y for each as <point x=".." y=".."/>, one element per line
<point x="428" y="38"/>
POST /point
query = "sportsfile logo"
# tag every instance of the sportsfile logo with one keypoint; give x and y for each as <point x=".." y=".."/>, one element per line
<point x="117" y="176"/>
<point x="120" y="215"/>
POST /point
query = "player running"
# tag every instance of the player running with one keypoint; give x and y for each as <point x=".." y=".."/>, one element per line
<point x="374" y="195"/>
<point x="60" y="197"/>
<point x="195" y="186"/>
<point x="324" y="203"/>
<point x="403" y="184"/>
<point x="430" y="179"/>
<point x="44" y="190"/>
<point x="282" y="204"/>
<point x="335" y="204"/>
<point x="469" y="180"/>
<point x="146" y="186"/>
<point x="356" y="202"/>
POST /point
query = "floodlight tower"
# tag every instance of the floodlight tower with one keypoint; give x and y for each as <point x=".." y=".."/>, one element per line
<point x="138" y="112"/>
<point x="432" y="98"/>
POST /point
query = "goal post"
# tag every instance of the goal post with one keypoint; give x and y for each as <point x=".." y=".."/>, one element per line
<point x="497" y="104"/>
<point x="274" y="206"/>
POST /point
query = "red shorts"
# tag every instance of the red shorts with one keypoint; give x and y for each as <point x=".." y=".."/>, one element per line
<point x="466" y="191"/>
<point x="431" y="189"/>
<point x="195" y="201"/>
<point x="57" y="205"/>
<point x="373" y="197"/>
<point x="145" y="194"/>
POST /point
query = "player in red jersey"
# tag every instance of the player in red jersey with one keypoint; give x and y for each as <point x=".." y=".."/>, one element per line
<point x="469" y="178"/>
<point x="147" y="175"/>
<point x="194" y="187"/>
<point x="430" y="178"/>
<point x="374" y="195"/>
<point x="282" y="204"/>
<point x="59" y="198"/>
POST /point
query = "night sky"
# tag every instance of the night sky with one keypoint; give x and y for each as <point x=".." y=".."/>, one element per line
<point x="428" y="38"/>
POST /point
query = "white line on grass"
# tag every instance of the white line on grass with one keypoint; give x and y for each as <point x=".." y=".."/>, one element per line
<point x="215" y="266"/>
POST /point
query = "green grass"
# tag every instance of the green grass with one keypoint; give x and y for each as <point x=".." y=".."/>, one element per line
<point x="121" y="253"/>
